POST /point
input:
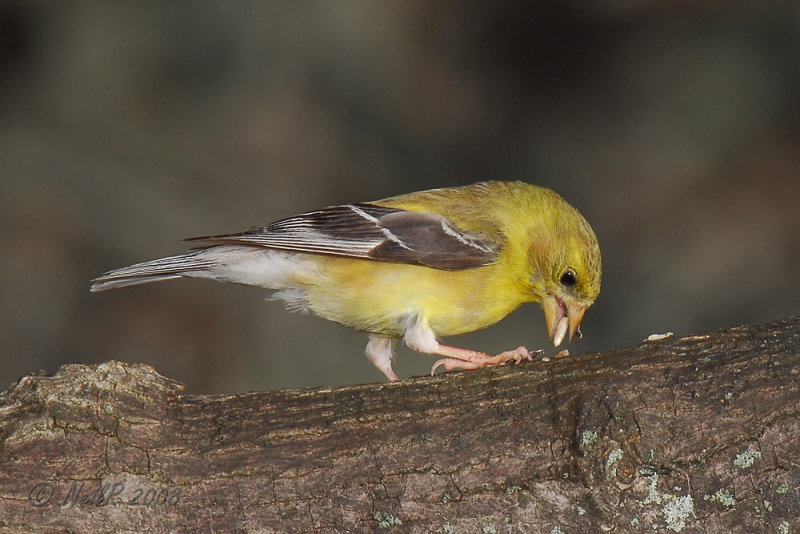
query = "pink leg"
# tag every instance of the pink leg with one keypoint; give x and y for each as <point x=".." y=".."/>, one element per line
<point x="469" y="359"/>
<point x="421" y="337"/>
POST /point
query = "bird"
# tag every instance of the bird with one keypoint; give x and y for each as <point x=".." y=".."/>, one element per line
<point x="416" y="267"/>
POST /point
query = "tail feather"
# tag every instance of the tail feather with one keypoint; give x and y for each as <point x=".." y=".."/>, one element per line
<point x="193" y="265"/>
<point x="253" y="266"/>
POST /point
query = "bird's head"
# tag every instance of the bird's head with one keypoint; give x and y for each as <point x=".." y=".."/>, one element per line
<point x="566" y="274"/>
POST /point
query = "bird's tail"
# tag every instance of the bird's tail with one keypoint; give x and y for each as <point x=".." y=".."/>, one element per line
<point x="194" y="264"/>
<point x="252" y="266"/>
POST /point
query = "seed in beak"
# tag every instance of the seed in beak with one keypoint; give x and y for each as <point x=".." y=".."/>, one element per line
<point x="560" y="331"/>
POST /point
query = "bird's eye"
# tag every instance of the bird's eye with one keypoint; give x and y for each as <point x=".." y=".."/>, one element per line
<point x="568" y="278"/>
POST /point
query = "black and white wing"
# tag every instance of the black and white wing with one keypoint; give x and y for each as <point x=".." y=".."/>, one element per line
<point x="372" y="232"/>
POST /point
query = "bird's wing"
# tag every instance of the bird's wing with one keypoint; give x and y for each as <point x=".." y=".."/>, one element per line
<point x="369" y="231"/>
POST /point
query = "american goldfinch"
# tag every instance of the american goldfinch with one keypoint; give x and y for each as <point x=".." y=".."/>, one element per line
<point x="418" y="266"/>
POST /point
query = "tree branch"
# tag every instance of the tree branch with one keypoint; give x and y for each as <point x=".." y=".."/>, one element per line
<point x="692" y="434"/>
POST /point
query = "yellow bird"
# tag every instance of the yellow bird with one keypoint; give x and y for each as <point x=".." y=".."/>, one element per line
<point x="418" y="266"/>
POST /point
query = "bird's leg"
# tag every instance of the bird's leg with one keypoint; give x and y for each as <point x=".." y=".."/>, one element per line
<point x="469" y="359"/>
<point x="380" y="350"/>
<point x="420" y="337"/>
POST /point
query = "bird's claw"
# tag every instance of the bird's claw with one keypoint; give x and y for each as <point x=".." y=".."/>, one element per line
<point x="479" y="360"/>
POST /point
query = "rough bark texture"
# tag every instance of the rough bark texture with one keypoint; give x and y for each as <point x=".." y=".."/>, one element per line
<point x="691" y="434"/>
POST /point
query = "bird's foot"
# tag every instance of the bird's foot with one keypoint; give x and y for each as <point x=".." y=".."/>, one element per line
<point x="477" y="360"/>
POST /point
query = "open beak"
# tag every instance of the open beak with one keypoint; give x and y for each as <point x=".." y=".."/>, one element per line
<point x="561" y="317"/>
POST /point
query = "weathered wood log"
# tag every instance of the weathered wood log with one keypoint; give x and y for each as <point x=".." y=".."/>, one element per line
<point x="684" y="434"/>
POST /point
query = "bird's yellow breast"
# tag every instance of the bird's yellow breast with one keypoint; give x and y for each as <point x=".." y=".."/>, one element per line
<point x="381" y="297"/>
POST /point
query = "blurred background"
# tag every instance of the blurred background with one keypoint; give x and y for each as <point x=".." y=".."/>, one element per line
<point x="674" y="127"/>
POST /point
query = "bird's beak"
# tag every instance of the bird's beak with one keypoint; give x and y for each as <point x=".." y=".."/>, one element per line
<point x="561" y="317"/>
